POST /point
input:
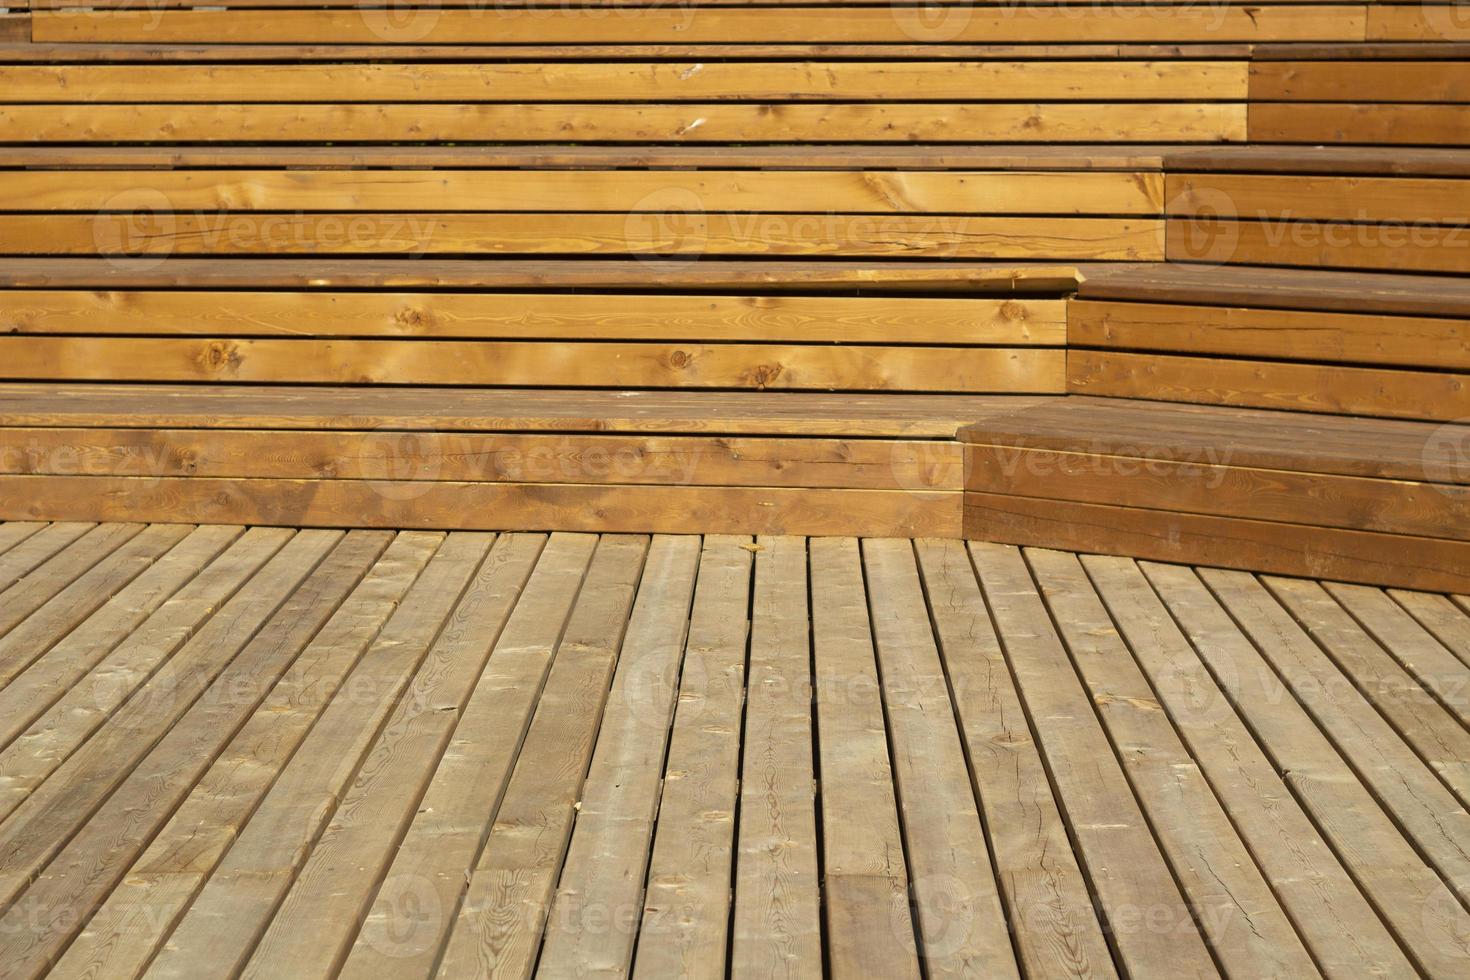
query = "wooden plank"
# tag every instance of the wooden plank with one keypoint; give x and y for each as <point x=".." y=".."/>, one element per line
<point x="850" y="414"/>
<point x="1270" y="384"/>
<point x="1259" y="333"/>
<point x="228" y="918"/>
<point x="869" y="928"/>
<point x="1047" y="902"/>
<point x="1447" y="622"/>
<point x="1299" y="442"/>
<point x="1428" y="22"/>
<point x="776" y="929"/>
<point x="20" y="559"/>
<point x="69" y="608"/>
<point x="831" y="24"/>
<point x="1430" y="815"/>
<point x="1239" y="914"/>
<point x="1397" y="247"/>
<point x="1371" y="161"/>
<point x="703" y="122"/>
<point x="171" y="581"/>
<point x="492" y="507"/>
<point x="871" y="464"/>
<point x="1402" y="201"/>
<point x="962" y="927"/>
<point x="686" y="905"/>
<point x="147" y="898"/>
<point x="774" y="276"/>
<point x="620" y="191"/>
<point x="1119" y="854"/>
<point x="617" y="81"/>
<point x="1414" y="902"/>
<point x="523" y="852"/>
<point x="1293" y="289"/>
<point x="1283" y="549"/>
<point x="1344" y="80"/>
<point x="680" y="229"/>
<point x="1420" y="720"/>
<point x="52" y="577"/>
<point x="374" y="813"/>
<point x="1328" y="122"/>
<point x="244" y="647"/>
<point x="442" y="844"/>
<point x="598" y="905"/>
<point x="1196" y="487"/>
<point x="999" y="370"/>
<point x="1334" y="918"/>
<point x="13" y="533"/>
<point x="539" y="316"/>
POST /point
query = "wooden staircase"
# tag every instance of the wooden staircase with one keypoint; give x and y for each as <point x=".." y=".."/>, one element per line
<point x="630" y="267"/>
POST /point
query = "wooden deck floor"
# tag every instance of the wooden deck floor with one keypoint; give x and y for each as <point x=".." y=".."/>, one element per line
<point x="280" y="754"/>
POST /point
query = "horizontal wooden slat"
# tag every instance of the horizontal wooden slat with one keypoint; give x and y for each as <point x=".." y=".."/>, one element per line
<point x="871" y="464"/>
<point x="1271" y="384"/>
<point x="957" y="369"/>
<point x="964" y="192"/>
<point x="501" y="410"/>
<point x="1272" y="440"/>
<point x="325" y="273"/>
<point x="1387" y="247"/>
<point x="543" y="316"/>
<point x="1326" y="122"/>
<point x="1284" y="549"/>
<point x="1369" y="161"/>
<point x="1223" y="489"/>
<point x="1400" y="200"/>
<point x="669" y="81"/>
<point x="828" y="23"/>
<point x="1295" y="289"/>
<point x="1425" y="342"/>
<point x="15" y="28"/>
<point x="1091" y="157"/>
<point x="1430" y="22"/>
<point x="710" y="122"/>
<point x="483" y="506"/>
<point x="676" y="232"/>
<point x="1360" y="81"/>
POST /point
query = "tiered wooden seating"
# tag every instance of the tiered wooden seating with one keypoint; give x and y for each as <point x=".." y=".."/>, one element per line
<point x="870" y="221"/>
<point x="1376" y="501"/>
<point x="1371" y="345"/>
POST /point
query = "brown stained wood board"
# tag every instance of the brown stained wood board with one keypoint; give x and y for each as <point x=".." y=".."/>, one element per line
<point x="1283" y="549"/>
<point x="526" y="410"/>
<point x="481" y="506"/>
<point x="1293" y="442"/>
<point x="1293" y="289"/>
<point x="620" y="191"/>
<point x="662" y="81"/>
<point x="1002" y="278"/>
<point x="830" y="23"/>
<point x="974" y="370"/>
<point x="1388" y="393"/>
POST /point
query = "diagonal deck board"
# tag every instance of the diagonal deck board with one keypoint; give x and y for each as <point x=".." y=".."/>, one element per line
<point x="409" y="754"/>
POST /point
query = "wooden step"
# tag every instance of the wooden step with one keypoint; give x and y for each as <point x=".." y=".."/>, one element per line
<point x="1392" y="346"/>
<point x="1359" y="500"/>
<point x="490" y="459"/>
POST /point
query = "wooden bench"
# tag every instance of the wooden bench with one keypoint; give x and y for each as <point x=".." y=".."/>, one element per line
<point x="1363" y="500"/>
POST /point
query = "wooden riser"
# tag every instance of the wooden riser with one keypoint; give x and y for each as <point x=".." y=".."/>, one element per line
<point x="1434" y="565"/>
<point x="482" y="506"/>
